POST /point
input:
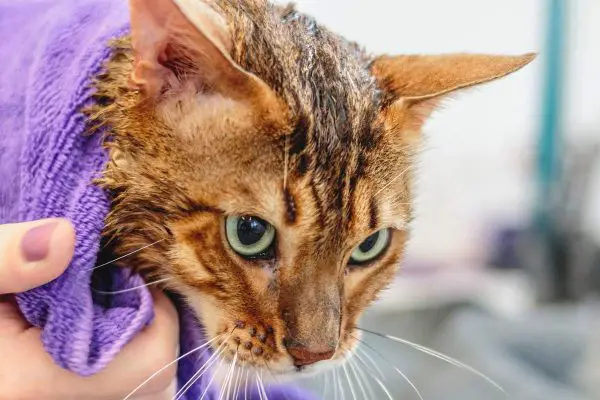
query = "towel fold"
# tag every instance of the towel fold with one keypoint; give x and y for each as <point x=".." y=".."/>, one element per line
<point x="49" y="52"/>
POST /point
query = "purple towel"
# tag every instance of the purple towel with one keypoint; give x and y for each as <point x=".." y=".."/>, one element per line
<point x="49" y="51"/>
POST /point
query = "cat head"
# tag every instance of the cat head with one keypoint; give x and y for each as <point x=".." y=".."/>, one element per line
<point x="269" y="161"/>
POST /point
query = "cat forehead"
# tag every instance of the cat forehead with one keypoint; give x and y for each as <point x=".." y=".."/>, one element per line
<point x="334" y="136"/>
<point x="318" y="73"/>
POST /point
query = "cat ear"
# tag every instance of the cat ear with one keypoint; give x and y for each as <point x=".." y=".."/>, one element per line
<point x="415" y="85"/>
<point x="177" y="41"/>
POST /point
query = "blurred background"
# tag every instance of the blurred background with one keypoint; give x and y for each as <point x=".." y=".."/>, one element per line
<point x="503" y="269"/>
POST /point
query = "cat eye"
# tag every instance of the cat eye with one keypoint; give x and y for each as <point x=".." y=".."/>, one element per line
<point x="371" y="248"/>
<point x="250" y="237"/>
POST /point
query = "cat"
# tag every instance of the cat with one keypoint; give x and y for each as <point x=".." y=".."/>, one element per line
<point x="270" y="162"/>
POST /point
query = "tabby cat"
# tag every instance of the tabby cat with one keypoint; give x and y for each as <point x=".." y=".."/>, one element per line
<point x="270" y="163"/>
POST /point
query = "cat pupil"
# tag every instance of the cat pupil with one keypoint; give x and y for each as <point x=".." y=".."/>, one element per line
<point x="250" y="230"/>
<point x="369" y="242"/>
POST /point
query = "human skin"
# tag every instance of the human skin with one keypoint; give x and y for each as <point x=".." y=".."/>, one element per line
<point x="34" y="253"/>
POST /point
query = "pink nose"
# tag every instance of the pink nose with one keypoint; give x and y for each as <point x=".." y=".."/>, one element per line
<point x="305" y="356"/>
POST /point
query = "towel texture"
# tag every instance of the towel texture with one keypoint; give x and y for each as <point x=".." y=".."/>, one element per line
<point x="50" y="50"/>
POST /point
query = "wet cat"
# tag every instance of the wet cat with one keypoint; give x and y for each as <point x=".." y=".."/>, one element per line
<point x="268" y="162"/>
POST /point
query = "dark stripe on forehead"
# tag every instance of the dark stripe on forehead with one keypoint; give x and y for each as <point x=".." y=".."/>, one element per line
<point x="357" y="174"/>
<point x="341" y="186"/>
<point x="303" y="164"/>
<point x="373" y="215"/>
<point x="299" y="137"/>
<point x="326" y="83"/>
<point x="318" y="204"/>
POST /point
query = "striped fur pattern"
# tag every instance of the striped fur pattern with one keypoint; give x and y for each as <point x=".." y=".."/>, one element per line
<point x="318" y="141"/>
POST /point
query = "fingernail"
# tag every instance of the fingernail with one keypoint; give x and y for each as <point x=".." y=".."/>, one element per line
<point x="36" y="243"/>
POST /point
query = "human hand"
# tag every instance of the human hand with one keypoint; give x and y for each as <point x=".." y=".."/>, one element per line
<point x="34" y="253"/>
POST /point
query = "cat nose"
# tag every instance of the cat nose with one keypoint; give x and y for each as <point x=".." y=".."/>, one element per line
<point x="309" y="355"/>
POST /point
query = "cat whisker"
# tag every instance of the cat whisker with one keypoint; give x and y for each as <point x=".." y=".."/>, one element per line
<point x="325" y="387"/>
<point x="230" y="380"/>
<point x="376" y="379"/>
<point x="231" y="388"/>
<point x="168" y="365"/>
<point x="274" y="376"/>
<point x="227" y="384"/>
<point x="360" y="380"/>
<point x="335" y="384"/>
<point x="133" y="288"/>
<point x="243" y="376"/>
<point x="370" y="359"/>
<point x="349" y="381"/>
<point x="246" y="385"/>
<point x="339" y="384"/>
<point x="256" y="375"/>
<point x="400" y="175"/>
<point x="224" y="385"/>
<point x="262" y="386"/>
<point x="437" y="355"/>
<point x="342" y="386"/>
<point x="258" y="386"/>
<point x="234" y="382"/>
<point x="124" y="256"/>
<point x="402" y="374"/>
<point x="354" y="367"/>
<point x="211" y="360"/>
<point x="238" y="382"/>
<point x="212" y="378"/>
<point x="209" y="363"/>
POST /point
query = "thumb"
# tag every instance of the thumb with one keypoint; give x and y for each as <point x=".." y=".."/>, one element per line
<point x="34" y="253"/>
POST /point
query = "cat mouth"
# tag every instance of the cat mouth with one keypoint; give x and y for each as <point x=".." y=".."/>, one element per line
<point x="268" y="368"/>
<point x="259" y="347"/>
<point x="271" y="374"/>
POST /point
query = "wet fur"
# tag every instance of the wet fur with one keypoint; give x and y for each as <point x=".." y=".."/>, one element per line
<point x="321" y="152"/>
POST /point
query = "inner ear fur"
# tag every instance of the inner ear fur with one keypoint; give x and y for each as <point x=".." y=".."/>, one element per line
<point x="178" y="42"/>
<point x="415" y="84"/>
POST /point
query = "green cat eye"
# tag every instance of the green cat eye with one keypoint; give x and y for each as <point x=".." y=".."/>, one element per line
<point x="371" y="248"/>
<point x="250" y="237"/>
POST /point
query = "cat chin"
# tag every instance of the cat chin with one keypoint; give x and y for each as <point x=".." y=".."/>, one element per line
<point x="273" y="376"/>
<point x="308" y="371"/>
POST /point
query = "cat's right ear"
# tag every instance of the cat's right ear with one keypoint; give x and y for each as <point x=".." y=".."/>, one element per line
<point x="414" y="85"/>
<point x="179" y="42"/>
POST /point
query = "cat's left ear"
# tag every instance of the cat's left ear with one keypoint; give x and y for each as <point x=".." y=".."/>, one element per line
<point x="415" y="85"/>
<point x="178" y="42"/>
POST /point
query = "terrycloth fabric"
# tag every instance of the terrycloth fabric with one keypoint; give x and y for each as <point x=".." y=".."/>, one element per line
<point x="50" y="50"/>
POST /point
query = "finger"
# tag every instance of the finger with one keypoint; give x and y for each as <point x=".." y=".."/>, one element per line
<point x="11" y="320"/>
<point x="34" y="253"/>
<point x="26" y="361"/>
